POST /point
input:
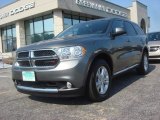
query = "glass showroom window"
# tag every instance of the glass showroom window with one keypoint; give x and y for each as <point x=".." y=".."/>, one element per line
<point x="9" y="42"/>
<point x="75" y="19"/>
<point x="83" y="19"/>
<point x="70" y="20"/>
<point x="39" y="29"/>
<point x="67" y="21"/>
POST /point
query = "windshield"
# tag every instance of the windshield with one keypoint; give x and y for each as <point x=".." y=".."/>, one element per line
<point x="91" y="27"/>
<point x="154" y="36"/>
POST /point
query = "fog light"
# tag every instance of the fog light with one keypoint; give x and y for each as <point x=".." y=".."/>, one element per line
<point x="16" y="64"/>
<point x="69" y="85"/>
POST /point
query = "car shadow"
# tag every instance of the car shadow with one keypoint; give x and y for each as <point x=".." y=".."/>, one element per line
<point x="124" y="80"/>
<point x="154" y="61"/>
<point x="119" y="83"/>
<point x="62" y="101"/>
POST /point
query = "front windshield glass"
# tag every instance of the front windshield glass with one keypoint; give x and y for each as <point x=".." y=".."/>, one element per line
<point x="154" y="36"/>
<point x="91" y="27"/>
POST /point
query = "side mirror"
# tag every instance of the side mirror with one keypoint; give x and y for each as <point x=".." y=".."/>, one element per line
<point x="118" y="32"/>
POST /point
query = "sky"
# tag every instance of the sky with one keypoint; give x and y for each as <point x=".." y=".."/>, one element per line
<point x="153" y="10"/>
<point x="4" y="2"/>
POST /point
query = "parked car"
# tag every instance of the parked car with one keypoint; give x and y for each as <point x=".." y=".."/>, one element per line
<point x="154" y="45"/>
<point x="81" y="60"/>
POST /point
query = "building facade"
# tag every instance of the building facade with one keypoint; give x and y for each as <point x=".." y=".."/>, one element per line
<point x="26" y="22"/>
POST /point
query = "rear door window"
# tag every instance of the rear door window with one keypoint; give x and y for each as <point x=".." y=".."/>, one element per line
<point x="129" y="29"/>
<point x="138" y="29"/>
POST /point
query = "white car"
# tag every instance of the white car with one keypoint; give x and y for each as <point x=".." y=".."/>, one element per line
<point x="154" y="45"/>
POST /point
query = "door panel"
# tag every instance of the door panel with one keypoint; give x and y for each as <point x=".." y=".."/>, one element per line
<point x="134" y="43"/>
<point x="121" y="53"/>
<point x="120" y="48"/>
<point x="135" y="51"/>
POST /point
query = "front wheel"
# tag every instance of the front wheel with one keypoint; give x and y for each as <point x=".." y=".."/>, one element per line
<point x="100" y="81"/>
<point x="144" y="65"/>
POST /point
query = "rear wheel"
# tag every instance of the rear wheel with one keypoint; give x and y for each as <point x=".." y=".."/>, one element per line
<point x="144" y="65"/>
<point x="100" y="81"/>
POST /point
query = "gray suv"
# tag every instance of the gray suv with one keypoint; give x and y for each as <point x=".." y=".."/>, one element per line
<point x="81" y="60"/>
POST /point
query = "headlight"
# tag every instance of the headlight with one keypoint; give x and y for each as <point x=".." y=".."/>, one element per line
<point x="68" y="53"/>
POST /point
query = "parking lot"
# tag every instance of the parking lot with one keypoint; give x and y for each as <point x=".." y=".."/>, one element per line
<point x="132" y="97"/>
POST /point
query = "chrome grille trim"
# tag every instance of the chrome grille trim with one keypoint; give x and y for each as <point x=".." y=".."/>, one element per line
<point x="32" y="59"/>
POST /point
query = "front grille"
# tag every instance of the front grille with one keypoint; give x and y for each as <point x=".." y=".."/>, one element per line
<point x="24" y="63"/>
<point x="43" y="63"/>
<point x="38" y="58"/>
<point x="154" y="49"/>
<point x="23" y="55"/>
<point x="44" y="53"/>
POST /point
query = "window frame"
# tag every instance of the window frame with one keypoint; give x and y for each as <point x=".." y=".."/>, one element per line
<point x="43" y="25"/>
<point x="72" y="17"/>
<point x="5" y="41"/>
<point x="137" y="26"/>
<point x="132" y="27"/>
<point x="111" y="30"/>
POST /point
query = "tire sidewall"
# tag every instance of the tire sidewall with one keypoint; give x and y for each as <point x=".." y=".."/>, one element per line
<point x="144" y="70"/>
<point x="141" y="70"/>
<point x="92" y="84"/>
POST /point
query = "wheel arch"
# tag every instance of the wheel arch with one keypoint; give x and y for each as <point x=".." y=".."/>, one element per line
<point x="105" y="56"/>
<point x="145" y="49"/>
<point x="101" y="54"/>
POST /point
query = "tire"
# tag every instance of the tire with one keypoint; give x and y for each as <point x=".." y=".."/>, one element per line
<point x="144" y="65"/>
<point x="99" y="82"/>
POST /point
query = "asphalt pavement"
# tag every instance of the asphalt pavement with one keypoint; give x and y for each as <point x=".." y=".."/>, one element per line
<point x="133" y="97"/>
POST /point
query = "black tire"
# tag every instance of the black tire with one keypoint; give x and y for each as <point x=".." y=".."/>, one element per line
<point x="93" y="93"/>
<point x="141" y="69"/>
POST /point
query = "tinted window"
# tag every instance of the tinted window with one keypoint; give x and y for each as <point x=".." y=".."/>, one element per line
<point x="138" y="29"/>
<point x="92" y="27"/>
<point x="70" y="19"/>
<point x="129" y="29"/>
<point x="154" y="36"/>
<point x="117" y="24"/>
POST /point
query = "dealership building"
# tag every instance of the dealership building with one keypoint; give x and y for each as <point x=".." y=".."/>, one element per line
<point x="24" y="22"/>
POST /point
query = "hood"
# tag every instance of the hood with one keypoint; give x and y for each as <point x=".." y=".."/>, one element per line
<point x="59" y="42"/>
<point x="154" y="43"/>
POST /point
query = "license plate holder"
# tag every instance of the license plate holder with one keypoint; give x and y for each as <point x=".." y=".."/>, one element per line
<point x="28" y="76"/>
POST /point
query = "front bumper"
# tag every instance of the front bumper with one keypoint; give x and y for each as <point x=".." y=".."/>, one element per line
<point x="51" y="92"/>
<point x="74" y="72"/>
